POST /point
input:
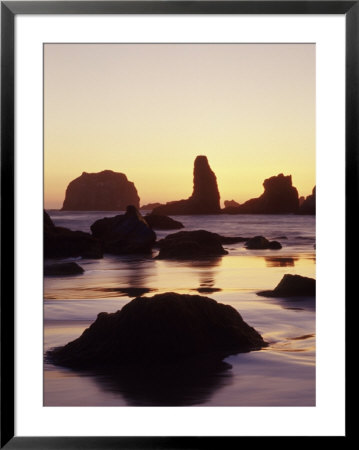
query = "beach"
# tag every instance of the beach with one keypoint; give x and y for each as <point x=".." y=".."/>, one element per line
<point x="282" y="374"/>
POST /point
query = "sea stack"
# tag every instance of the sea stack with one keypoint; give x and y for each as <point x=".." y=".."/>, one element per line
<point x="102" y="191"/>
<point x="205" y="196"/>
<point x="279" y="197"/>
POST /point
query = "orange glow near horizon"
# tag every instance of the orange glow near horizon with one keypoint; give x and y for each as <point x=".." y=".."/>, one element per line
<point x="147" y="110"/>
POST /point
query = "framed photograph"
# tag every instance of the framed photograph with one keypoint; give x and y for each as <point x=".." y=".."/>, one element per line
<point x="175" y="184"/>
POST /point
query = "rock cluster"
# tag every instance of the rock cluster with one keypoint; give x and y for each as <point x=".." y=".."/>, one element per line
<point x="279" y="197"/>
<point x="124" y="234"/>
<point x="261" y="243"/>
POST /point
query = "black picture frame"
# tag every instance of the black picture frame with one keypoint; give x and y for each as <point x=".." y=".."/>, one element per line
<point x="9" y="10"/>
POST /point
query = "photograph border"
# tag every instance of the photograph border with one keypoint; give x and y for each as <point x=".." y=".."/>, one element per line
<point x="9" y="10"/>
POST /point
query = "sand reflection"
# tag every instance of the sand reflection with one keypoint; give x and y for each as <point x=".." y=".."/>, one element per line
<point x="273" y="261"/>
<point x="177" y="385"/>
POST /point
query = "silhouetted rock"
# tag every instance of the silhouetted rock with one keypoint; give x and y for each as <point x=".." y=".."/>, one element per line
<point x="160" y="222"/>
<point x="291" y="286"/>
<point x="261" y="243"/>
<point x="232" y="239"/>
<point x="103" y="191"/>
<point x="205" y="196"/>
<point x="61" y="242"/>
<point x="69" y="268"/>
<point x="127" y="233"/>
<point x="279" y="197"/>
<point x="150" y="206"/>
<point x="231" y="204"/>
<point x="308" y="206"/>
<point x="163" y="329"/>
<point x="190" y="244"/>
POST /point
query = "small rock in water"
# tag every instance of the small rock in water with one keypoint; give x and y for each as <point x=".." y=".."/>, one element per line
<point x="261" y="243"/>
<point x="291" y="286"/>
<point x="68" y="268"/>
<point x="191" y="244"/>
<point x="161" y="222"/>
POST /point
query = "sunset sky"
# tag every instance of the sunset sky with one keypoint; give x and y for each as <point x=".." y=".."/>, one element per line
<point x="147" y="110"/>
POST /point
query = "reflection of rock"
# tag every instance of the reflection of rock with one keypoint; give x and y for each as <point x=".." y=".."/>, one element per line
<point x="205" y="196"/>
<point x="230" y="204"/>
<point x="191" y="244"/>
<point x="123" y="234"/>
<point x="131" y="277"/>
<point x="308" y="205"/>
<point x="291" y="286"/>
<point x="172" y="385"/>
<point x="69" y="268"/>
<point x="150" y="206"/>
<point x="160" y="222"/>
<point x="61" y="242"/>
<point x="129" y="291"/>
<point x="166" y="328"/>
<point x="279" y="197"/>
<point x="207" y="290"/>
<point x="280" y="262"/>
<point x="103" y="191"/>
<point x="261" y="243"/>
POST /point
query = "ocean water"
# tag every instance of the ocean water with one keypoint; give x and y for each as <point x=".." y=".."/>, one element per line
<point x="282" y="374"/>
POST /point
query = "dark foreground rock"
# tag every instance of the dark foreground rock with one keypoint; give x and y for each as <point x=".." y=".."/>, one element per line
<point x="161" y="222"/>
<point x="261" y="243"/>
<point x="205" y="196"/>
<point x="61" y="242"/>
<point x="279" y="197"/>
<point x="291" y="286"/>
<point x="124" y="234"/>
<point x="163" y="329"/>
<point x="190" y="244"/>
<point x="102" y="191"/>
<point x="69" y="268"/>
<point x="308" y="205"/>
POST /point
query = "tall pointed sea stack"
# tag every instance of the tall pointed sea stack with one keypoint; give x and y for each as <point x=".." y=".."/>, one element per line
<point x="205" y="196"/>
<point x="102" y="191"/>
